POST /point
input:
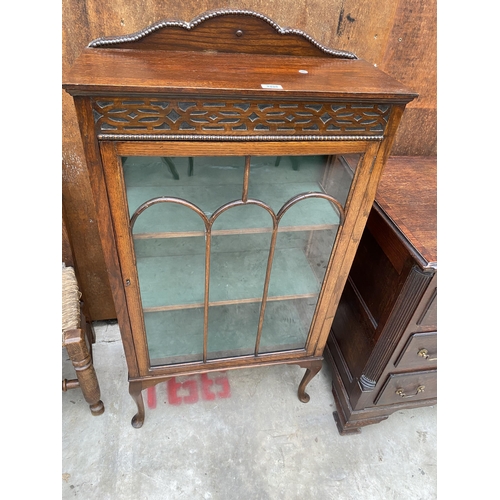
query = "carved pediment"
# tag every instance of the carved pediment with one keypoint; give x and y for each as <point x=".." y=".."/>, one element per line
<point x="230" y="31"/>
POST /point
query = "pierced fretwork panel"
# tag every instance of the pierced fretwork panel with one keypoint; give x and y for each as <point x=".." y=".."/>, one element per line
<point x="237" y="117"/>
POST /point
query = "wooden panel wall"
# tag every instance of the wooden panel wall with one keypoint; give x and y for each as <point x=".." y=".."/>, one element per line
<point x="399" y="36"/>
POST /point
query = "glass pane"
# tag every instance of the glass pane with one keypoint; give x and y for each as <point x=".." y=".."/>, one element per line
<point x="307" y="232"/>
<point x="238" y="264"/>
<point x="165" y="263"/>
<point x="286" y="324"/>
<point x="207" y="182"/>
<point x="174" y="336"/>
<point x="277" y="179"/>
<point x="170" y="243"/>
<point x="173" y="314"/>
<point x="299" y="266"/>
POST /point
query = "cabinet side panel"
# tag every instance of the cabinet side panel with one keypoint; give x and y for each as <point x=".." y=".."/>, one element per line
<point x="81" y="219"/>
<point x="105" y="225"/>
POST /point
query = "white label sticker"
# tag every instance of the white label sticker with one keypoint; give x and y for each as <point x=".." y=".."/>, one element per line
<point x="270" y="86"/>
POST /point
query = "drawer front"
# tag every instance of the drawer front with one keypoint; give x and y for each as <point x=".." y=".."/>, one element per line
<point x="429" y="314"/>
<point x="420" y="352"/>
<point x="177" y="119"/>
<point x="404" y="387"/>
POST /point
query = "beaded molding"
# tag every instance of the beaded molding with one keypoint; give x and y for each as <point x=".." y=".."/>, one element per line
<point x="265" y="138"/>
<point x="113" y="40"/>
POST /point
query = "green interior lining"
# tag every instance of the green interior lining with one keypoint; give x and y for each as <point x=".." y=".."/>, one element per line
<point x="177" y="336"/>
<point x="172" y="269"/>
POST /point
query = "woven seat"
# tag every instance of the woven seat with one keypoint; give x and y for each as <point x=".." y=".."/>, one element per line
<point x="77" y="338"/>
<point x="71" y="296"/>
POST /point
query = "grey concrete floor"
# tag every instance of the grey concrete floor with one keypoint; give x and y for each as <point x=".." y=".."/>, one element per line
<point x="253" y="440"/>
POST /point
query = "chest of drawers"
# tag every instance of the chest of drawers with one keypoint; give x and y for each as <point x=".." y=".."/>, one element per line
<point x="383" y="343"/>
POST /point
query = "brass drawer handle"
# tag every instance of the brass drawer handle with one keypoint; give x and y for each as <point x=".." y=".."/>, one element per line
<point x="425" y="354"/>
<point x="401" y="392"/>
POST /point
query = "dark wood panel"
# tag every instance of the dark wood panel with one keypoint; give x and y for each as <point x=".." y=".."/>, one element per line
<point x="411" y="55"/>
<point x="82" y="229"/>
<point x="238" y="32"/>
<point x="407" y="194"/>
<point x="353" y="332"/>
<point x="67" y="253"/>
<point x="377" y="288"/>
<point x="242" y="117"/>
<point x="79" y="27"/>
<point x="417" y="135"/>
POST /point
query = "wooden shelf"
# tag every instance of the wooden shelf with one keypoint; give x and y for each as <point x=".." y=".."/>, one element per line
<point x="227" y="232"/>
<point x="177" y="336"/>
<point x="235" y="278"/>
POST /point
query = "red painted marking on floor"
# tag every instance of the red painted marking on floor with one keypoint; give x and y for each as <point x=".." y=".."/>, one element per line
<point x="152" y="397"/>
<point x="192" y="388"/>
<point x="188" y="391"/>
<point x="172" y="387"/>
<point x="206" y="383"/>
<point x="224" y="383"/>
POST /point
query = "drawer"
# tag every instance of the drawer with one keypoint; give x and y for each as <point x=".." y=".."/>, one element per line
<point x="419" y="352"/>
<point x="406" y="387"/>
<point x="429" y="314"/>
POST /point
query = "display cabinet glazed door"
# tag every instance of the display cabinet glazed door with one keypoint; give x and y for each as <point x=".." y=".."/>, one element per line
<point x="224" y="256"/>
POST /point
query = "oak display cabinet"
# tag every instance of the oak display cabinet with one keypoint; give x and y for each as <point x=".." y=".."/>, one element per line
<point x="233" y="164"/>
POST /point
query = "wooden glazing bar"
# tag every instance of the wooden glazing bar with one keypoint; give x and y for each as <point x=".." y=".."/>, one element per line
<point x="303" y="196"/>
<point x="246" y="177"/>
<point x="266" y="285"/>
<point x="167" y="199"/>
<point x="208" y="236"/>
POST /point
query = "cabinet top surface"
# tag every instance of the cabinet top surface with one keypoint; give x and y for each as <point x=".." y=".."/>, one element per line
<point x="109" y="71"/>
<point x="407" y="195"/>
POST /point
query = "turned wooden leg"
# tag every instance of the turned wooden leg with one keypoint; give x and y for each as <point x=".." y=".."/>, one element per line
<point x="78" y="352"/>
<point x="135" y="390"/>
<point x="313" y="367"/>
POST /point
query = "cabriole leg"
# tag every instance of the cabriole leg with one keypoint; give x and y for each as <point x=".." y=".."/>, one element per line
<point x="313" y="367"/>
<point x="135" y="390"/>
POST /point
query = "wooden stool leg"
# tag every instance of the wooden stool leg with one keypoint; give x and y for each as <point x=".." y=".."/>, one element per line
<point x="74" y="342"/>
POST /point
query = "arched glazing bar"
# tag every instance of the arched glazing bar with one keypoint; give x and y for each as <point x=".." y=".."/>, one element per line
<point x="291" y="202"/>
<point x="208" y="225"/>
<point x="209" y="221"/>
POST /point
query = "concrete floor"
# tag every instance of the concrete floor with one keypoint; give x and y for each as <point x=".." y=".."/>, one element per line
<point x="254" y="440"/>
